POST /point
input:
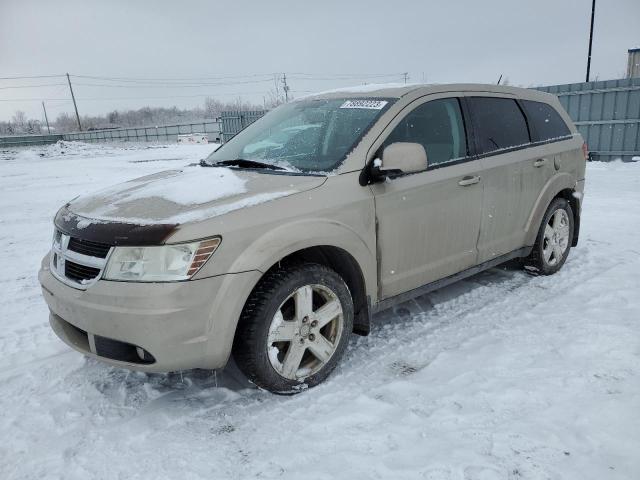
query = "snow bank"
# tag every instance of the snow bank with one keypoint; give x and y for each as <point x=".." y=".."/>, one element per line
<point x="501" y="376"/>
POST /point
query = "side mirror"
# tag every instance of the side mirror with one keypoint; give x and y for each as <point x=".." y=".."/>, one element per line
<point x="404" y="156"/>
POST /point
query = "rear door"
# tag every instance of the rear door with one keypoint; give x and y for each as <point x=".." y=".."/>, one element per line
<point x="548" y="154"/>
<point x="428" y="222"/>
<point x="502" y="140"/>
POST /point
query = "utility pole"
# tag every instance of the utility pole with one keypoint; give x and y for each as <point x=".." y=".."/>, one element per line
<point x="46" y="119"/>
<point x="406" y="76"/>
<point x="285" y="87"/>
<point x="593" y="14"/>
<point x="74" y="103"/>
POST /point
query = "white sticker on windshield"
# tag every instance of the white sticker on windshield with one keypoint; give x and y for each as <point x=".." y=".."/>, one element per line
<point x="370" y="104"/>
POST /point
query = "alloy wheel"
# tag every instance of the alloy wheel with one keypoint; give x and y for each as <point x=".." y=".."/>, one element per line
<point x="305" y="332"/>
<point x="556" y="237"/>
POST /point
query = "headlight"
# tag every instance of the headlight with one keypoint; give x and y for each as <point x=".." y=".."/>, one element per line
<point x="159" y="264"/>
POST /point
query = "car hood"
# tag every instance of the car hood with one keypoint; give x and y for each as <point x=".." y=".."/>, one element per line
<point x="181" y="196"/>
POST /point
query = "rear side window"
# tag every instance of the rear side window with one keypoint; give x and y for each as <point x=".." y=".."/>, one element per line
<point x="500" y="123"/>
<point x="547" y="122"/>
<point x="436" y="125"/>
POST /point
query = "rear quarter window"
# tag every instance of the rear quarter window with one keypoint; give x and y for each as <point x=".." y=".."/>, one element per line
<point x="500" y="123"/>
<point x="546" y="121"/>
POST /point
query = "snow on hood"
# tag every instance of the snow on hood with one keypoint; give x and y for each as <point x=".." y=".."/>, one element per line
<point x="188" y="195"/>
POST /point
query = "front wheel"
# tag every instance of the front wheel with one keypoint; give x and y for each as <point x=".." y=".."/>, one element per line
<point x="294" y="328"/>
<point x="554" y="239"/>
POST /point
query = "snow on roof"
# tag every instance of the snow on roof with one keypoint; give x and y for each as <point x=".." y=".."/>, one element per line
<point x="390" y="89"/>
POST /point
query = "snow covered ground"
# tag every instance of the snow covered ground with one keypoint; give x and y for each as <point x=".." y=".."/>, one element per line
<point x="502" y="376"/>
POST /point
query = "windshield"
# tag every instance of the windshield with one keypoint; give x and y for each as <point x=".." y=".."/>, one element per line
<point x="305" y="136"/>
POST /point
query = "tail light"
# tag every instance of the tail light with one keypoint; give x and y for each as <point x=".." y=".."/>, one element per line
<point x="585" y="150"/>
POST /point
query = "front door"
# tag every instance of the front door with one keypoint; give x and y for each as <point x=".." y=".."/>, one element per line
<point x="428" y="222"/>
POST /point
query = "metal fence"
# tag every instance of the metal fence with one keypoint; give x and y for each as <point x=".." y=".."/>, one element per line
<point x="233" y="122"/>
<point x="607" y="114"/>
<point x="26" y="140"/>
<point x="148" y="134"/>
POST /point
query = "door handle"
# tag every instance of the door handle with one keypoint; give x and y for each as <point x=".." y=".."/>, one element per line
<point x="466" y="181"/>
<point x="540" y="162"/>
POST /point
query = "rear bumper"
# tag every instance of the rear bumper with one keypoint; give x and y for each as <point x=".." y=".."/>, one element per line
<point x="181" y="325"/>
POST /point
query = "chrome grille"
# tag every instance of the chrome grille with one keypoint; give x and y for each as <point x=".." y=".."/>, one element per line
<point x="77" y="262"/>
<point x="79" y="273"/>
<point x="87" y="247"/>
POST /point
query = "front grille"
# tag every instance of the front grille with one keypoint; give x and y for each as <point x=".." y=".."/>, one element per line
<point x="87" y="247"/>
<point x="76" y="261"/>
<point x="79" y="273"/>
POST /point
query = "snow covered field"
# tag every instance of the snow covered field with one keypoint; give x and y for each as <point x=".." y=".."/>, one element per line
<point x="502" y="376"/>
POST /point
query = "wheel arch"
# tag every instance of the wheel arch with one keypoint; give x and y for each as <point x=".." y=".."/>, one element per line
<point x="348" y="251"/>
<point x="564" y="186"/>
<point x="569" y="195"/>
<point x="345" y="265"/>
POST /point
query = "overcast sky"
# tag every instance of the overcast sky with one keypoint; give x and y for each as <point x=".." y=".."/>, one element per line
<point x="319" y="44"/>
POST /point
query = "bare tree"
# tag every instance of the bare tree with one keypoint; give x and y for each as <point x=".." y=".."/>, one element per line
<point x="19" y="121"/>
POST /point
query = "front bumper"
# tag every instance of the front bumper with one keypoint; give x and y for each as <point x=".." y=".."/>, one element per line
<point x="181" y="325"/>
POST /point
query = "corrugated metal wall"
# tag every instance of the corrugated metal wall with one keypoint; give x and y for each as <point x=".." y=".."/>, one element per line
<point x="607" y="114"/>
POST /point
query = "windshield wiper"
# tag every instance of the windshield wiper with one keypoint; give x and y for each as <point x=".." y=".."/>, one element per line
<point x="243" y="163"/>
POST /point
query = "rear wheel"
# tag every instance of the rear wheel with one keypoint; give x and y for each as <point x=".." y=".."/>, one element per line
<point x="294" y="328"/>
<point x="554" y="239"/>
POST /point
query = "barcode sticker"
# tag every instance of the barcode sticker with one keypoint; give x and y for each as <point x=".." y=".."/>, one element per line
<point x="369" y="104"/>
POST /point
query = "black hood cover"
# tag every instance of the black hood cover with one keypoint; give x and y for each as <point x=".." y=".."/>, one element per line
<point x="112" y="233"/>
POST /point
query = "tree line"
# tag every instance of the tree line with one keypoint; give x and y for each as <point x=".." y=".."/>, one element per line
<point x="20" y="124"/>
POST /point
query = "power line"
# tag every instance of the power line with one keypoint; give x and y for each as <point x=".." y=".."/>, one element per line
<point x="183" y="85"/>
<point x="89" y="99"/>
<point x="398" y="75"/>
<point x="170" y="79"/>
<point x="224" y="76"/>
<point x="27" y="77"/>
<point x="215" y="77"/>
<point x="33" y="86"/>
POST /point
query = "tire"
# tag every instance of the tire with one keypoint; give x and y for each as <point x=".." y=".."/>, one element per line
<point x="294" y="328"/>
<point x="553" y="242"/>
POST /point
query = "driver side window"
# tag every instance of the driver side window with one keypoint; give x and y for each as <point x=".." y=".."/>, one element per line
<point x="436" y="125"/>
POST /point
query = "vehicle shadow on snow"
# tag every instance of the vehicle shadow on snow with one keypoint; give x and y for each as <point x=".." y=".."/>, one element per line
<point x="204" y="388"/>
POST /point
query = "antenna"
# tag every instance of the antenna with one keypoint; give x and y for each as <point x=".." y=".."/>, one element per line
<point x="499" y="80"/>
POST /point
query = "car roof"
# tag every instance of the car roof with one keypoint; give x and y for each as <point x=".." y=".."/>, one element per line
<point x="399" y="90"/>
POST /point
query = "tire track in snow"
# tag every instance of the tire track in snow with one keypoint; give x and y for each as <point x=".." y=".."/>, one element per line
<point x="396" y="347"/>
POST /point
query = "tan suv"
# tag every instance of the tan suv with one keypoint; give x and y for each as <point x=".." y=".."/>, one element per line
<point x="289" y="237"/>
